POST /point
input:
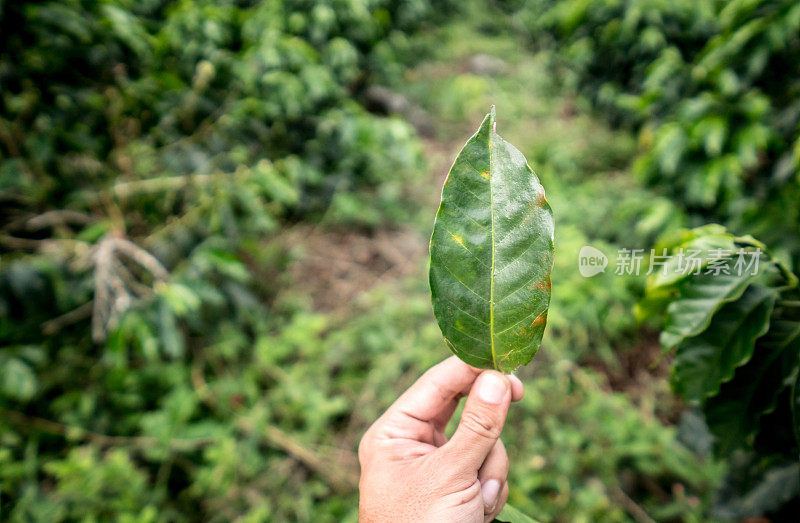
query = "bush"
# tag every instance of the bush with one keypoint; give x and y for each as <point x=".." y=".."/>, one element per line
<point x="733" y="321"/>
<point x="710" y="87"/>
<point x="147" y="152"/>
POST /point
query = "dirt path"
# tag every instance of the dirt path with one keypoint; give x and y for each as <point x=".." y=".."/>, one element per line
<point x="335" y="265"/>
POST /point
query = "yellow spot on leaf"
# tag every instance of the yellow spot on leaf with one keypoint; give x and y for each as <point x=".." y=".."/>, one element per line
<point x="485" y="174"/>
<point x="540" y="320"/>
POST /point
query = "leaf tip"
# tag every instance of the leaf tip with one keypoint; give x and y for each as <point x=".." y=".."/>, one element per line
<point x="488" y="125"/>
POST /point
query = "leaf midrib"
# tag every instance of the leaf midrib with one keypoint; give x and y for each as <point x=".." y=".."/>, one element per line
<point x="491" y="270"/>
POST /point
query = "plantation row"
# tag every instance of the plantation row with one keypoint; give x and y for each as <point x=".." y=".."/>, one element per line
<point x="146" y="150"/>
<point x="711" y="88"/>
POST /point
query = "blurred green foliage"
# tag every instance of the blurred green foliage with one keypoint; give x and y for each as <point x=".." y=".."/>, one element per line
<point x="735" y="326"/>
<point x="147" y="150"/>
<point x="163" y="358"/>
<point x="101" y="92"/>
<point x="712" y="89"/>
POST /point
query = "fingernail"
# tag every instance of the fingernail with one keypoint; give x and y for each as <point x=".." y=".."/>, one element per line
<point x="489" y="490"/>
<point x="515" y="379"/>
<point x="491" y="388"/>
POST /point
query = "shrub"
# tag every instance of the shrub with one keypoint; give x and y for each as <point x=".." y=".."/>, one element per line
<point x="735" y="332"/>
<point x="147" y="151"/>
<point x="710" y="87"/>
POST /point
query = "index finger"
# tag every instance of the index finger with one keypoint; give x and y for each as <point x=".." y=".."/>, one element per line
<point x="437" y="391"/>
<point x="434" y="396"/>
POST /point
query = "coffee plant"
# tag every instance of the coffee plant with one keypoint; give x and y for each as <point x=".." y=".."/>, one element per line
<point x="732" y="323"/>
<point x="149" y="150"/>
<point x="712" y="88"/>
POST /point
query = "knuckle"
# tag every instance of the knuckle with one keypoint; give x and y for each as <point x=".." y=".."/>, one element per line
<point x="481" y="423"/>
<point x="469" y="493"/>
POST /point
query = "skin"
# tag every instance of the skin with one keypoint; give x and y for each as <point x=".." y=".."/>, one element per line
<point x="410" y="471"/>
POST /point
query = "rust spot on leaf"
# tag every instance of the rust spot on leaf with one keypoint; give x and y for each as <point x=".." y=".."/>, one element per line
<point x="540" y="320"/>
<point x="542" y="285"/>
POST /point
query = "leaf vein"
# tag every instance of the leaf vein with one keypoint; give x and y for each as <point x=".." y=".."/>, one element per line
<point x="470" y="289"/>
<point x="464" y="213"/>
<point x="525" y="284"/>
<point x="518" y="257"/>
<point x="465" y="312"/>
<point x="469" y="336"/>
<point x="461" y="244"/>
<point x="491" y="270"/>
<point x="523" y="319"/>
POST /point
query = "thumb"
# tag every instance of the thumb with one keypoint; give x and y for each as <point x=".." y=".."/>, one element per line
<point x="482" y="420"/>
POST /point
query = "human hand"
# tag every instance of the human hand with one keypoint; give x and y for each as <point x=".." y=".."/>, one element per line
<point x="410" y="471"/>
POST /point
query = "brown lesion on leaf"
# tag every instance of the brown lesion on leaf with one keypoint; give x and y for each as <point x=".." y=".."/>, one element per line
<point x="530" y="210"/>
<point x="540" y="200"/>
<point x="542" y="285"/>
<point x="526" y="330"/>
<point x="523" y="331"/>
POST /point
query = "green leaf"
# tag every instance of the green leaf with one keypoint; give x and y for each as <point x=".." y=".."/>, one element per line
<point x="169" y="333"/>
<point x="704" y="239"/>
<point x="17" y="379"/>
<point x="492" y="254"/>
<point x="705" y="361"/>
<point x="510" y="514"/>
<point x="700" y="298"/>
<point x="181" y="299"/>
<point x="734" y="413"/>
